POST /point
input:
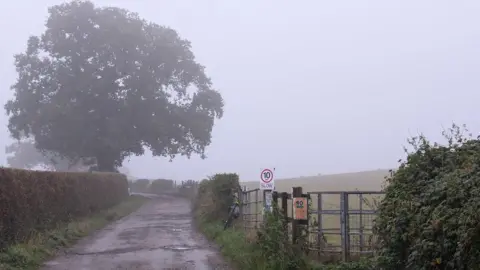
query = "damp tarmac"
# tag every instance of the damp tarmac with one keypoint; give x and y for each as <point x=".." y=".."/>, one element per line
<point x="158" y="236"/>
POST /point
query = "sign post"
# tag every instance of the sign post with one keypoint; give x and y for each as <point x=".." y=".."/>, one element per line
<point x="267" y="184"/>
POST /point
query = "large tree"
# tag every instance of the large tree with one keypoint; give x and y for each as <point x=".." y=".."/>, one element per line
<point x="103" y="83"/>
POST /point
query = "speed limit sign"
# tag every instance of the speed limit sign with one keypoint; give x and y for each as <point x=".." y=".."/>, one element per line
<point x="267" y="180"/>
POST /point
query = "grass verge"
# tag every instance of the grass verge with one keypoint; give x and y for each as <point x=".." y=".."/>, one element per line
<point x="233" y="245"/>
<point x="243" y="254"/>
<point x="44" y="245"/>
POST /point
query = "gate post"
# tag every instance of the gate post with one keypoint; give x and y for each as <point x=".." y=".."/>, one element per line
<point x="275" y="200"/>
<point x="296" y="192"/>
<point x="256" y="209"/>
<point x="344" y="226"/>
<point x="285" y="213"/>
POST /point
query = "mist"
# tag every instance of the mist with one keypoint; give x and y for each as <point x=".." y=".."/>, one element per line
<point x="311" y="87"/>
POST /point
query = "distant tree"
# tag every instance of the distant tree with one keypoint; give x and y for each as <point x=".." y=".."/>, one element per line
<point x="24" y="155"/>
<point x="103" y="83"/>
<point x="140" y="185"/>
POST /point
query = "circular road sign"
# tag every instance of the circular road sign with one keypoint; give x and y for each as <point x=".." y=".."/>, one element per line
<point x="266" y="176"/>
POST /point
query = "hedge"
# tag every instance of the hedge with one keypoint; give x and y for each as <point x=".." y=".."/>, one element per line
<point x="430" y="216"/>
<point x="215" y="196"/>
<point x="188" y="189"/>
<point x="140" y="185"/>
<point x="159" y="186"/>
<point x="33" y="201"/>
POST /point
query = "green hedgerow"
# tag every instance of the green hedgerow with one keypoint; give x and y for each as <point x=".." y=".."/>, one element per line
<point x="430" y="216"/>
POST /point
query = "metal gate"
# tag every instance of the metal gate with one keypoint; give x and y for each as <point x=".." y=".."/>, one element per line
<point x="341" y="222"/>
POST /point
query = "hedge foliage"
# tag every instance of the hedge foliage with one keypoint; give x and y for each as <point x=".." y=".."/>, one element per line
<point x="430" y="216"/>
<point x="188" y="189"/>
<point x="140" y="185"/>
<point x="159" y="186"/>
<point x="215" y="196"/>
<point x="32" y="201"/>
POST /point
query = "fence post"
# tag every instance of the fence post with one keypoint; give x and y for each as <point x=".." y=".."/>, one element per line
<point x="285" y="213"/>
<point x="344" y="222"/>
<point x="243" y="200"/>
<point x="244" y="206"/>
<point x="275" y="199"/>
<point x="296" y="192"/>
<point x="320" y="235"/>
<point x="256" y="209"/>
<point x="360" y="223"/>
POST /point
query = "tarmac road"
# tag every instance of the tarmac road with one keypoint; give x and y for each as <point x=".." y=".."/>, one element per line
<point x="158" y="236"/>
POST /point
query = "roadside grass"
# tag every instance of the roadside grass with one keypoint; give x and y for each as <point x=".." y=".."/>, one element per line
<point x="44" y="245"/>
<point x="233" y="245"/>
<point x="245" y="254"/>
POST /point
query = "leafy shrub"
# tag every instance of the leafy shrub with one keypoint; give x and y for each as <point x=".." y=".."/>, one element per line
<point x="215" y="196"/>
<point x="33" y="201"/>
<point x="188" y="189"/>
<point x="159" y="186"/>
<point x="362" y="264"/>
<point x="430" y="216"/>
<point x="276" y="251"/>
<point x="140" y="185"/>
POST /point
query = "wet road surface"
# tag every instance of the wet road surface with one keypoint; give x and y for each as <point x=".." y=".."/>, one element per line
<point x="158" y="236"/>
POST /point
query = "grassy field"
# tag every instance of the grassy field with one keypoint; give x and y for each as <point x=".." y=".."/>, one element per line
<point x="358" y="181"/>
<point x="366" y="180"/>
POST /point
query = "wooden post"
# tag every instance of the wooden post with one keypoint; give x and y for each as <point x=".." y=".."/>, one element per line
<point x="296" y="192"/>
<point x="285" y="213"/>
<point x="256" y="209"/>
<point x="275" y="200"/>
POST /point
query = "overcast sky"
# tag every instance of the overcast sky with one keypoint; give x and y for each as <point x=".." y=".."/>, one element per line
<point x="310" y="86"/>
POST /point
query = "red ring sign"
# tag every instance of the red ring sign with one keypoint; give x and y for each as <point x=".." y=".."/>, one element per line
<point x="266" y="176"/>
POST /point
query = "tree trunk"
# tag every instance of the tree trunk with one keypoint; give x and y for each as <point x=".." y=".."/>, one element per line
<point x="105" y="164"/>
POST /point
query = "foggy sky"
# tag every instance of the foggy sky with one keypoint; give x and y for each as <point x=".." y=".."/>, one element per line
<point x="310" y="86"/>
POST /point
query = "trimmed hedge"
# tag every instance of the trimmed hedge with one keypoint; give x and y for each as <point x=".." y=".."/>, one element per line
<point x="32" y="201"/>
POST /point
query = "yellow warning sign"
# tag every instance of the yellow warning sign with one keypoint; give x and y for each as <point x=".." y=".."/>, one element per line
<point x="300" y="208"/>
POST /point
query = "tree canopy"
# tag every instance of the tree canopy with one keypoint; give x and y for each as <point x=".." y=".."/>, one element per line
<point x="24" y="155"/>
<point x="104" y="83"/>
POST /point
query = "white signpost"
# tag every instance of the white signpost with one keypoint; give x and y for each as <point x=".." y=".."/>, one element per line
<point x="266" y="180"/>
<point x="267" y="184"/>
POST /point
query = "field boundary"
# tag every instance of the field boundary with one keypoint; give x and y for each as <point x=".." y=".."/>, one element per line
<point x="339" y="229"/>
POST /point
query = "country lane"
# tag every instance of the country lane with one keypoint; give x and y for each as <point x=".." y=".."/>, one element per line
<point x="158" y="236"/>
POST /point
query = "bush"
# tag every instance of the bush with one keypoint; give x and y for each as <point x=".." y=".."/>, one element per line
<point x="429" y="218"/>
<point x="276" y="251"/>
<point x="160" y="186"/>
<point x="215" y="196"/>
<point x="32" y="201"/>
<point x="140" y="185"/>
<point x="188" y="189"/>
